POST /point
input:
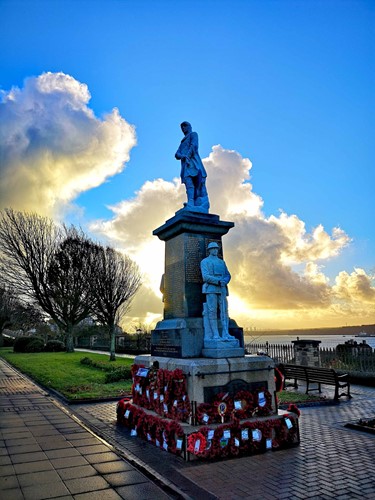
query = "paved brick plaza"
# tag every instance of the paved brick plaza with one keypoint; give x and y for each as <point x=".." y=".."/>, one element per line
<point x="45" y="453"/>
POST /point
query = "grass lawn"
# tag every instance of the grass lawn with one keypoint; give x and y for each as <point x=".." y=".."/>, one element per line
<point x="295" y="397"/>
<point x="63" y="372"/>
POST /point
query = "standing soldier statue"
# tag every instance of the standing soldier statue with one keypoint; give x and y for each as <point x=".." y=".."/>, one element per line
<point x="215" y="280"/>
<point x="193" y="174"/>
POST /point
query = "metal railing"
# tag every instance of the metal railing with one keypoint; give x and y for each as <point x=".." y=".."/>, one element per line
<point x="349" y="359"/>
<point x="280" y="353"/>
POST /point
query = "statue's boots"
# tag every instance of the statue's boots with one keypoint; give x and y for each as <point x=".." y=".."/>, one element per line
<point x="214" y="329"/>
<point x="190" y="197"/>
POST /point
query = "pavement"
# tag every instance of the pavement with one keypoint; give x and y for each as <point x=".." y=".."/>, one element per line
<point x="49" y="449"/>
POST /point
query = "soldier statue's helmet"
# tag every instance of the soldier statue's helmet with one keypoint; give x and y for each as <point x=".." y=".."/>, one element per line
<point x="212" y="245"/>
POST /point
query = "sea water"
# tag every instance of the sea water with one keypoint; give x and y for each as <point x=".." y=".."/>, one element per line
<point x="325" y="340"/>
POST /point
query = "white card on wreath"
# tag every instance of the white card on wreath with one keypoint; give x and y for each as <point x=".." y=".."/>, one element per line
<point x="261" y="399"/>
<point x="245" y="434"/>
<point x="226" y="434"/>
<point x="288" y="423"/>
<point x="257" y="435"/>
<point x="238" y="405"/>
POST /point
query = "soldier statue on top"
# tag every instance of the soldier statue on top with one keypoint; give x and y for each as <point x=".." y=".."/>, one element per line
<point x="193" y="174"/>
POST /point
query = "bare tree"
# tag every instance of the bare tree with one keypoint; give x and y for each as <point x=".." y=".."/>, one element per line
<point x="70" y="277"/>
<point x="50" y="265"/>
<point x="117" y="281"/>
<point x="27" y="245"/>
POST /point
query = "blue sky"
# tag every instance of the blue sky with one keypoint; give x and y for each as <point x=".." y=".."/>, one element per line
<point x="287" y="84"/>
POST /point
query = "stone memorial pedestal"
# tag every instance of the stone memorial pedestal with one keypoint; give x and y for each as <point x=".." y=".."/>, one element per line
<point x="180" y="334"/>
<point x="208" y="377"/>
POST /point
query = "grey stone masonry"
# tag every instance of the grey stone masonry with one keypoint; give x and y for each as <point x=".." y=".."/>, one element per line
<point x="306" y="352"/>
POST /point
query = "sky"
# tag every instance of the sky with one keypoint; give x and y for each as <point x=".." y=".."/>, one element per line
<point x="281" y="94"/>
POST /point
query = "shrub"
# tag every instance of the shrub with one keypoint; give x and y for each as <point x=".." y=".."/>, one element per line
<point x="86" y="361"/>
<point x="100" y="365"/>
<point x="36" y="345"/>
<point x="21" y="343"/>
<point x="55" y="346"/>
<point x="122" y="373"/>
<point x="8" y="341"/>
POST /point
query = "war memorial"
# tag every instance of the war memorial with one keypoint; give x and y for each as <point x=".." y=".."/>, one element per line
<point x="198" y="394"/>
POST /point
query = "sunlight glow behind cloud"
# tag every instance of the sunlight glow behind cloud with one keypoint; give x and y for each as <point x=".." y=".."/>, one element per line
<point x="53" y="147"/>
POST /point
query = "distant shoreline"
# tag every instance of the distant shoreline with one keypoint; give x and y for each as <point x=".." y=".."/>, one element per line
<point x="343" y="330"/>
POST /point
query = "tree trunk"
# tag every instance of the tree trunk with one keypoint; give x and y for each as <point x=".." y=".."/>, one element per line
<point x="112" y="332"/>
<point x="69" y="339"/>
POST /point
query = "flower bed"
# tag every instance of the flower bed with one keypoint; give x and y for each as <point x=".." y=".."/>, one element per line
<point x="365" y="425"/>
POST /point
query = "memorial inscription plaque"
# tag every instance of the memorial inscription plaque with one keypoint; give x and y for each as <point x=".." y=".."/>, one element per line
<point x="166" y="345"/>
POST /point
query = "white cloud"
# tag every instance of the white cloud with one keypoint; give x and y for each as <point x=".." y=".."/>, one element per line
<point x="53" y="147"/>
<point x="259" y="251"/>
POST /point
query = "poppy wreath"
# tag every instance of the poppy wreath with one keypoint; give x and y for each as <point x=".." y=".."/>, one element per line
<point x="120" y="409"/>
<point x="285" y="435"/>
<point x="172" y="434"/>
<point x="223" y="443"/>
<point x="173" y="392"/>
<point x="139" y="387"/>
<point x="196" y="443"/>
<point x="132" y="416"/>
<point x="205" y="414"/>
<point x="251" y="445"/>
<point x="264" y="411"/>
<point x="279" y="380"/>
<point x="292" y="408"/>
<point x="223" y="397"/>
<point x="180" y="409"/>
<point x="138" y="422"/>
<point x="163" y="391"/>
<point x="247" y="404"/>
<point x="154" y="429"/>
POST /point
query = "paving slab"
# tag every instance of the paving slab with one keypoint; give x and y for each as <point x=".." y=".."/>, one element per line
<point x="46" y="452"/>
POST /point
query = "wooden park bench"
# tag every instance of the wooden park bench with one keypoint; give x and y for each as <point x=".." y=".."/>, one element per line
<point x="315" y="375"/>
